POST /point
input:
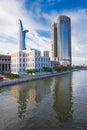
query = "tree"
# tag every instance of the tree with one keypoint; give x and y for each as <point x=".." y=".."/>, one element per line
<point x="47" y="69"/>
<point x="30" y="71"/>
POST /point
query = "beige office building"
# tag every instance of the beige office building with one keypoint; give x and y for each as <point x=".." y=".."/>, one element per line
<point x="29" y="59"/>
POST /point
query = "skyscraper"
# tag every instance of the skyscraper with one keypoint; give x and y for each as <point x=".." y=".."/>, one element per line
<point x="22" y="35"/>
<point x="63" y="47"/>
<point x="54" y="41"/>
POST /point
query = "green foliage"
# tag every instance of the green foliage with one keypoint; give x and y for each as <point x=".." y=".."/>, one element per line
<point x="66" y="68"/>
<point x="47" y="69"/>
<point x="78" y="67"/>
<point x="62" y="68"/>
<point x="1" y="78"/>
<point x="11" y="76"/>
<point x="30" y="71"/>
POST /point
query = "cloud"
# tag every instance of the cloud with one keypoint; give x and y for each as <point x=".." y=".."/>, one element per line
<point x="10" y="12"/>
<point x="78" y="31"/>
<point x="79" y="34"/>
<point x="53" y="0"/>
<point x="35" y="19"/>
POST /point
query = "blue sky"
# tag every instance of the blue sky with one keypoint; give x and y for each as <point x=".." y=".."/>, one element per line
<point x="37" y="16"/>
<point x="58" y="5"/>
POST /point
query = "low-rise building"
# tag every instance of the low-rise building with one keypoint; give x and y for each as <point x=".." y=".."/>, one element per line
<point x="55" y="64"/>
<point x="5" y="63"/>
<point x="29" y="59"/>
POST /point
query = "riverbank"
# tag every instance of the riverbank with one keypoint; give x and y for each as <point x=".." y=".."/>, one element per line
<point x="27" y="79"/>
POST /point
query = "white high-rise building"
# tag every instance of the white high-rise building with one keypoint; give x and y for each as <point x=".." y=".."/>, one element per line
<point x="22" y="34"/>
<point x="29" y="59"/>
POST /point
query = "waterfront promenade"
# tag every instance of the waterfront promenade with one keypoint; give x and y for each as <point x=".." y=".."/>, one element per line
<point x="32" y="78"/>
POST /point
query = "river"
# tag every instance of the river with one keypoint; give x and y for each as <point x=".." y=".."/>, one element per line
<point x="58" y="103"/>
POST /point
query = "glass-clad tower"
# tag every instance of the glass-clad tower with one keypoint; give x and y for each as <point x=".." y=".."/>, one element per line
<point x="61" y="40"/>
<point x="64" y="39"/>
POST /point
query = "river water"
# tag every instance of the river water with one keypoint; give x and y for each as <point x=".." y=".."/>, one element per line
<point x="58" y="103"/>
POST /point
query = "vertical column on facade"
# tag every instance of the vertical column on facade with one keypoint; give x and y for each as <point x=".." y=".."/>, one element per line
<point x="1" y="67"/>
<point x="4" y="68"/>
<point x="7" y="67"/>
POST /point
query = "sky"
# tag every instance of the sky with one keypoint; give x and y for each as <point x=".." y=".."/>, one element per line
<point x="37" y="16"/>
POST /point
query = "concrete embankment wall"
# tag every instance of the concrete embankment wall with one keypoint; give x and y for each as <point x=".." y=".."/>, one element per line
<point x="22" y="80"/>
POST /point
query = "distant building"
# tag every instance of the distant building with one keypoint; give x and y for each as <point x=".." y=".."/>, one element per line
<point x="45" y="53"/>
<point x="61" y="40"/>
<point x="5" y="63"/>
<point x="55" y="63"/>
<point x="22" y="35"/>
<point x="29" y="59"/>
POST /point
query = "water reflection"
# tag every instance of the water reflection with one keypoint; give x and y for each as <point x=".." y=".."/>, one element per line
<point x="30" y="94"/>
<point x="62" y="98"/>
<point x="22" y="102"/>
<point x="45" y="104"/>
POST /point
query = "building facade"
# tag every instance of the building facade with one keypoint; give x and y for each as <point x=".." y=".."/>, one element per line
<point x="29" y="59"/>
<point x="54" y="42"/>
<point x="5" y="63"/>
<point x="63" y="38"/>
